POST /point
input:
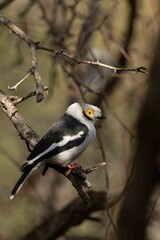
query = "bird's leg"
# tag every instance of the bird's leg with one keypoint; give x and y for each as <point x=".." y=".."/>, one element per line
<point x="45" y="169"/>
<point x="70" y="168"/>
<point x="56" y="167"/>
<point x="66" y="171"/>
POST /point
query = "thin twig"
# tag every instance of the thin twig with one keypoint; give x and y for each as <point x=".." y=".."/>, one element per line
<point x="139" y="69"/>
<point x="120" y="121"/>
<point x="107" y="230"/>
<point x="107" y="186"/>
<point x="33" y="51"/>
<point x="152" y="208"/>
<point x="17" y="100"/>
<point x="91" y="169"/>
<point x="81" y="92"/>
<point x="111" y="222"/>
<point x="22" y="80"/>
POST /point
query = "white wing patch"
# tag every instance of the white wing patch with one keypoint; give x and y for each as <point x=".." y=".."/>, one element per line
<point x="65" y="140"/>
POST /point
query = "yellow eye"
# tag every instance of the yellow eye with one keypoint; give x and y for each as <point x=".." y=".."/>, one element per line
<point x="89" y="112"/>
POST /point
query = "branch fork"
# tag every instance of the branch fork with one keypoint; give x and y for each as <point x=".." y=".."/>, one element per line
<point x="33" y="47"/>
<point x="22" y="80"/>
<point x="78" y="177"/>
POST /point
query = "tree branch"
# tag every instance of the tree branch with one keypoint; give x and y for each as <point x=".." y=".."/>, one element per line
<point x="25" y="132"/>
<point x="57" y="224"/>
<point x="16" y="100"/>
<point x="33" y="51"/>
<point x="22" y="80"/>
<point x="139" y="69"/>
<point x="77" y="177"/>
<point x="73" y="214"/>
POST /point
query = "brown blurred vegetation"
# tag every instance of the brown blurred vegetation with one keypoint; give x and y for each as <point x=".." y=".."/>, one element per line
<point x="117" y="33"/>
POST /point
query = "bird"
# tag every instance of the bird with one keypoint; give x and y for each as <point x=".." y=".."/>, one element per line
<point x="64" y="141"/>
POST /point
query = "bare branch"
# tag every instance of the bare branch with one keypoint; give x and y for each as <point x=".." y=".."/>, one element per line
<point x="16" y="100"/>
<point x="57" y="224"/>
<point x="119" y="120"/>
<point x="25" y="132"/>
<point x="73" y="214"/>
<point x="89" y="170"/>
<point x="17" y="84"/>
<point x="33" y="51"/>
<point x="77" y="177"/>
<point x="150" y="214"/>
<point x="139" y="69"/>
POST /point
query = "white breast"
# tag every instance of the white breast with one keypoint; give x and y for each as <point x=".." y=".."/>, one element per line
<point x="68" y="156"/>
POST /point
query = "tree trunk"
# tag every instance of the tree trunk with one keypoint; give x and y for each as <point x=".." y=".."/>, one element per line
<point x="132" y="219"/>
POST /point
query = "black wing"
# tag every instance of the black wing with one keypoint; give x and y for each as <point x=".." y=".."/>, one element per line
<point x="66" y="126"/>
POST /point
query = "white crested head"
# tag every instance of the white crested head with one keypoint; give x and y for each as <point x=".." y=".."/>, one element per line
<point x="84" y="112"/>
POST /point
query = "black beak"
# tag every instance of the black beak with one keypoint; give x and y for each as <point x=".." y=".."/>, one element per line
<point x="101" y="117"/>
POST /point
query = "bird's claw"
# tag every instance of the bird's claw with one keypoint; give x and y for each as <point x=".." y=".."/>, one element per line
<point x="71" y="167"/>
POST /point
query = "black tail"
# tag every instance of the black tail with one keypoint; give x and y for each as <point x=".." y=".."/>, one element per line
<point x="20" y="182"/>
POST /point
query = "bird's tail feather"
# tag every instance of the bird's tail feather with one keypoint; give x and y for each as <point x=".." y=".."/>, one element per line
<point x="20" y="182"/>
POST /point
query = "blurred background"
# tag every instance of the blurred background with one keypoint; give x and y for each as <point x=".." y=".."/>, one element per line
<point x="116" y="33"/>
